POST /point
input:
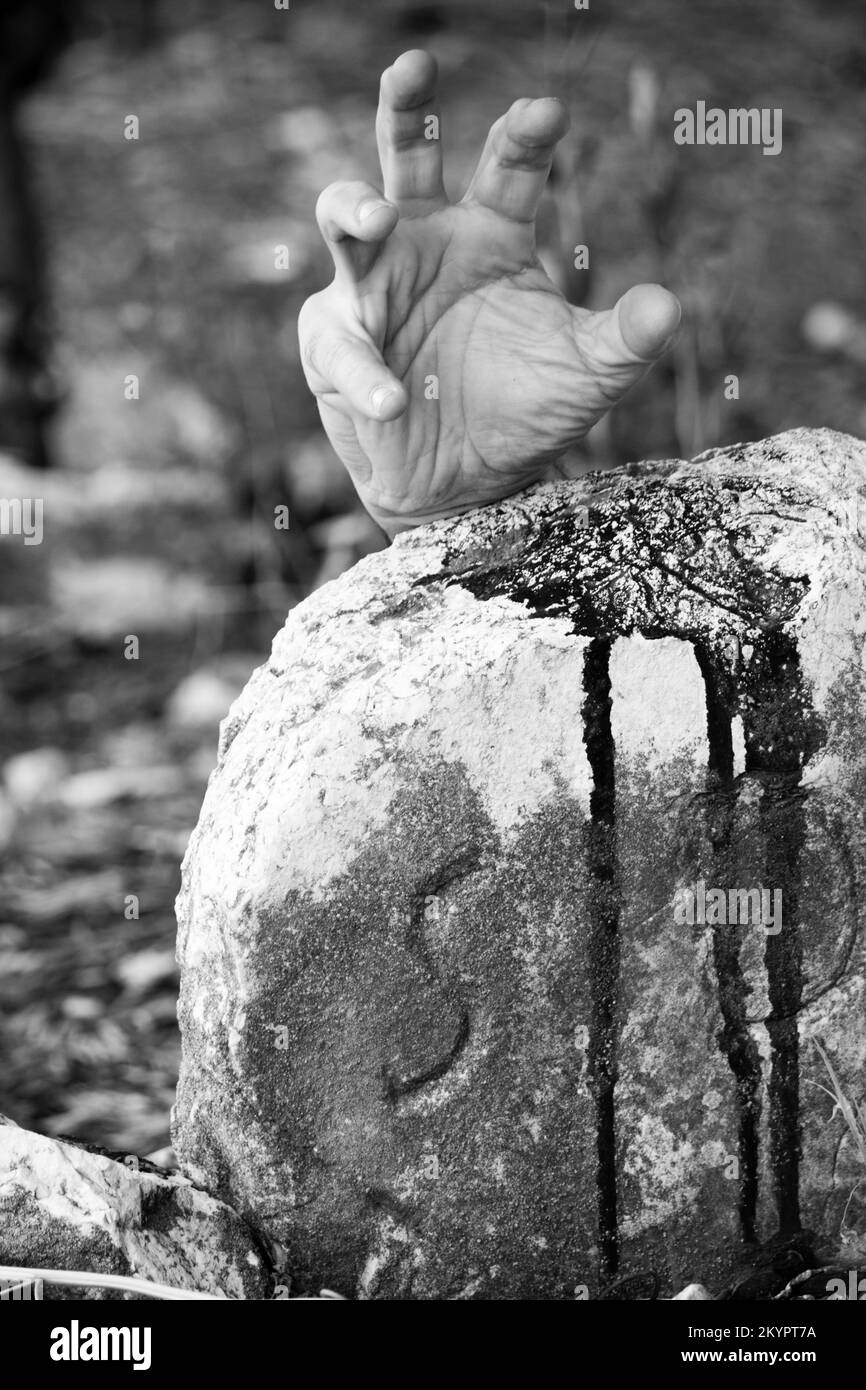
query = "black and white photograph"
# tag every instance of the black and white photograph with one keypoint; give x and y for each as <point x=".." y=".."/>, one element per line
<point x="432" y="670"/>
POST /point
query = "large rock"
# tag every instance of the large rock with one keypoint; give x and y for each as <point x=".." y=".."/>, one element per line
<point x="445" y="1032"/>
<point x="65" y="1208"/>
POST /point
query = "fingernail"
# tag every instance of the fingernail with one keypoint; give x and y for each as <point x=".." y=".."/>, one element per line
<point x="380" y="398"/>
<point x="371" y="205"/>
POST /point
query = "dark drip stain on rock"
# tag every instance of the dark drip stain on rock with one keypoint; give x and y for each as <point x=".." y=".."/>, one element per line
<point x="735" y="1039"/>
<point x="604" y="937"/>
<point x="781" y="733"/>
<point x="677" y="558"/>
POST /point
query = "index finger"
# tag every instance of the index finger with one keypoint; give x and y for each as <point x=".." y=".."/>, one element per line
<point x="407" y="133"/>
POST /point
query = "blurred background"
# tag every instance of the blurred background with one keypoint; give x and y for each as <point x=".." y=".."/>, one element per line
<point x="151" y="395"/>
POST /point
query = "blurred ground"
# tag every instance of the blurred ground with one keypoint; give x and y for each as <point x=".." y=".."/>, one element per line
<point x="159" y="523"/>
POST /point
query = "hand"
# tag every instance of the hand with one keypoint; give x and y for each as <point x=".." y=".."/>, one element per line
<point x="448" y="369"/>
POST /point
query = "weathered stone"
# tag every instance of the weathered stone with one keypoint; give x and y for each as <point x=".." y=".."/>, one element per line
<point x="63" y="1207"/>
<point x="693" y="1293"/>
<point x="444" y="1036"/>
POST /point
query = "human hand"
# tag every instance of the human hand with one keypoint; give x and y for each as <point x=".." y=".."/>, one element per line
<point x="448" y="369"/>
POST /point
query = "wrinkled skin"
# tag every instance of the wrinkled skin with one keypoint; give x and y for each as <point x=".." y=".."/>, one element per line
<point x="448" y="368"/>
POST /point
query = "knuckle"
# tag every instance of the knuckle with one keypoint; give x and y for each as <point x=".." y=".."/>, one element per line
<point x="340" y="195"/>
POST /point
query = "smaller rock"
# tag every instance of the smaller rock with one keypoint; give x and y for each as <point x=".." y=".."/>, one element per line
<point x="63" y="1207"/>
<point x="693" y="1293"/>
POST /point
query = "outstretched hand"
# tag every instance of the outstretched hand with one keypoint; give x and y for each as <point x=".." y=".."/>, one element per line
<point x="449" y="370"/>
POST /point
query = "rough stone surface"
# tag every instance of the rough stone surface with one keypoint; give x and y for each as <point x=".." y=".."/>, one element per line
<point x="443" y="1034"/>
<point x="63" y="1207"/>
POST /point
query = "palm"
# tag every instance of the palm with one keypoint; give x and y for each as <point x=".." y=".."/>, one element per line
<point x="498" y="374"/>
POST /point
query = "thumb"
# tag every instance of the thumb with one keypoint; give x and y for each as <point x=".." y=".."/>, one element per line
<point x="622" y="342"/>
<point x="341" y="359"/>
